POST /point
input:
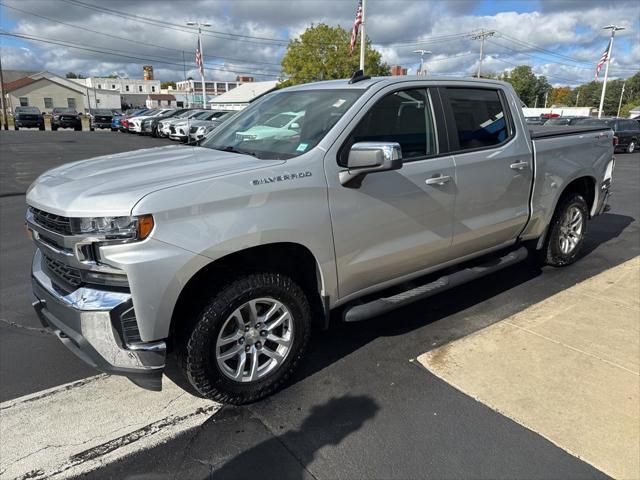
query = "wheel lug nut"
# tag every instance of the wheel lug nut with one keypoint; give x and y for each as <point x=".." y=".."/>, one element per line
<point x="258" y="325"/>
<point x="241" y="340"/>
<point x="247" y="328"/>
<point x="258" y="345"/>
<point x="263" y="333"/>
<point x="247" y="349"/>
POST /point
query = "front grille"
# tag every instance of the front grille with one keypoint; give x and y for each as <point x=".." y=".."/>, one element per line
<point x="193" y="129"/>
<point x="51" y="221"/>
<point x="68" y="119"/>
<point x="172" y="129"/>
<point x="69" y="276"/>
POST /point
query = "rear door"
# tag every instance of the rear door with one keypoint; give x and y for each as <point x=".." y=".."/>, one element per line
<point x="394" y="224"/>
<point x="493" y="165"/>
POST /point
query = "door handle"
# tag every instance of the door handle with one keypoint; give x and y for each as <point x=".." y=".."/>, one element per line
<point x="438" y="180"/>
<point x="519" y="165"/>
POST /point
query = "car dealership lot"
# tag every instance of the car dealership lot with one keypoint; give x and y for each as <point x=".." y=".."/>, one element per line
<point x="362" y="406"/>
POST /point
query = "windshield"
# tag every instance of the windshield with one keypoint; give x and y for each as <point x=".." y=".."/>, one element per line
<point x="27" y="110"/>
<point x="63" y="110"/>
<point x="283" y="124"/>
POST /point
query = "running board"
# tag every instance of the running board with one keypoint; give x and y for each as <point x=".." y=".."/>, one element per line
<point x="379" y="306"/>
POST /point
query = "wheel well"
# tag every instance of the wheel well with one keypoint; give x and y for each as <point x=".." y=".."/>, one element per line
<point x="585" y="186"/>
<point x="291" y="259"/>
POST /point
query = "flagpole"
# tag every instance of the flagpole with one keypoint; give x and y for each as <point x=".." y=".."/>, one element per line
<point x="362" y="37"/>
<point x="204" y="94"/>
<point x="620" y="102"/>
<point x="613" y="28"/>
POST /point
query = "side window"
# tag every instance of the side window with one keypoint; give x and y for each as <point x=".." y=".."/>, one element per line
<point x="479" y="117"/>
<point x="24" y="102"/>
<point x="71" y="103"/>
<point x="404" y="117"/>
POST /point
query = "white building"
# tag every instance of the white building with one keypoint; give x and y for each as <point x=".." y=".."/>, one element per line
<point x="193" y="89"/>
<point x="241" y="96"/>
<point x="121" y="85"/>
<point x="47" y="90"/>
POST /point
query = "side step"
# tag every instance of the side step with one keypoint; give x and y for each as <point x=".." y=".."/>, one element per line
<point x="382" y="305"/>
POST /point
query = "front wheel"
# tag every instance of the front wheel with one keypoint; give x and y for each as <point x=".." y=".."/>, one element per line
<point x="631" y="147"/>
<point x="567" y="231"/>
<point x="248" y="339"/>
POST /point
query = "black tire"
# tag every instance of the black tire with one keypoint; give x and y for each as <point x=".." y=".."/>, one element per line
<point x="154" y="132"/>
<point x="632" y="146"/>
<point x="54" y="128"/>
<point x="552" y="252"/>
<point x="15" y="127"/>
<point x="197" y="347"/>
<point x="41" y="128"/>
<point x="78" y="128"/>
<point x="92" y="129"/>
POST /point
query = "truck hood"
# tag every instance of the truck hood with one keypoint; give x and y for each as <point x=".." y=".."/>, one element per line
<point x="113" y="184"/>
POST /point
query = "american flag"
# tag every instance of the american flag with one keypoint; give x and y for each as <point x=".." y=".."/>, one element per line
<point x="356" y="26"/>
<point x="199" y="63"/>
<point x="603" y="59"/>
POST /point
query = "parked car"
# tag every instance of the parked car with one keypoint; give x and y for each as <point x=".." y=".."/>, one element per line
<point x="164" y="127"/>
<point x="563" y="121"/>
<point x="65" y="118"/>
<point x="224" y="255"/>
<point x="124" y="120"/>
<point x="115" y="122"/>
<point x="100" y="118"/>
<point x="150" y="125"/>
<point x="135" y="123"/>
<point x="180" y="130"/>
<point x="28" y="117"/>
<point x="202" y="128"/>
<point x="627" y="131"/>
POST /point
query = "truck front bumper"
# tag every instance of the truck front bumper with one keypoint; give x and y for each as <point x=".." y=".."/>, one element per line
<point x="86" y="322"/>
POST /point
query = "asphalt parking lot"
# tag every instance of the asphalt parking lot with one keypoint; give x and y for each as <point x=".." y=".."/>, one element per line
<point x="361" y="406"/>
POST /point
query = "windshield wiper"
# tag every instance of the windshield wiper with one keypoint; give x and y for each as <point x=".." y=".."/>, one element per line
<point x="232" y="149"/>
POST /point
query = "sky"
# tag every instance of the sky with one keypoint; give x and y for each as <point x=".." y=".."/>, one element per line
<point x="561" y="39"/>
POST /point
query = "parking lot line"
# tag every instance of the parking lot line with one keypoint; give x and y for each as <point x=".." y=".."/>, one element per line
<point x="75" y="428"/>
<point x="567" y="368"/>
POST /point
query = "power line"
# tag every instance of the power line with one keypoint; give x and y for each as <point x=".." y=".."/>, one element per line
<point x="126" y="39"/>
<point x="145" y="59"/>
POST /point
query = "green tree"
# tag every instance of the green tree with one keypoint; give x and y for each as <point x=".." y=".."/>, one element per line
<point x="74" y="75"/>
<point x="171" y="84"/>
<point x="322" y="53"/>
<point x="528" y="86"/>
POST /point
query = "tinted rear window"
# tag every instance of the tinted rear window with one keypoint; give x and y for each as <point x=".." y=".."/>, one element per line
<point x="479" y="117"/>
<point x="27" y="110"/>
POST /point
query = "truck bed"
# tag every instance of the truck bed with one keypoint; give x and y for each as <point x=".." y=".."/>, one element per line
<point x="542" y="131"/>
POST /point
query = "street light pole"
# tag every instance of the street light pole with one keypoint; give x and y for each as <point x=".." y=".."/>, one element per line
<point x="481" y="36"/>
<point x="200" y="25"/>
<point x="620" y="102"/>
<point x="422" y="53"/>
<point x="362" y="37"/>
<point x="614" y="29"/>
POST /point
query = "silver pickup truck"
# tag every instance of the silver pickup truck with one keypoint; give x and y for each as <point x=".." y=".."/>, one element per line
<point x="220" y="258"/>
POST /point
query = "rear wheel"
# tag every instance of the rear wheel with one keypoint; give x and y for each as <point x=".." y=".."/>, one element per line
<point x="41" y="127"/>
<point x="15" y="127"/>
<point x="631" y="147"/>
<point x="567" y="231"/>
<point x="248" y="339"/>
<point x="78" y="128"/>
<point x="54" y="128"/>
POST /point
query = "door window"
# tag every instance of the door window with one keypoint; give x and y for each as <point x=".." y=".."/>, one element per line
<point x="404" y="117"/>
<point x="479" y="117"/>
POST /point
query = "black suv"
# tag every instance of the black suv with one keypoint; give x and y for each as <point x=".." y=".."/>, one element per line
<point x="28" y="117"/>
<point x="65" y="118"/>
<point x="627" y="131"/>
<point x="100" y="118"/>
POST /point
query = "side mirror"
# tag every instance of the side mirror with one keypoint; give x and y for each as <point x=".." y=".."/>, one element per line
<point x="370" y="157"/>
<point x="294" y="126"/>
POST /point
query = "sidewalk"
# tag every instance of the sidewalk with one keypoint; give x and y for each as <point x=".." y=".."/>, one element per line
<point x="567" y="368"/>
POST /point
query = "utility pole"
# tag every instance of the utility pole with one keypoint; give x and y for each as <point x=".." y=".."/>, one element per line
<point x="422" y="53"/>
<point x="481" y="36"/>
<point x="5" y="120"/>
<point x="362" y="37"/>
<point x="620" y="102"/>
<point x="577" y="97"/>
<point x="535" y="104"/>
<point x="200" y="25"/>
<point x="546" y="96"/>
<point x="614" y="29"/>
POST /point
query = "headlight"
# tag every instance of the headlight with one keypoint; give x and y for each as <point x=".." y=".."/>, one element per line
<point x="201" y="129"/>
<point x="114" y="228"/>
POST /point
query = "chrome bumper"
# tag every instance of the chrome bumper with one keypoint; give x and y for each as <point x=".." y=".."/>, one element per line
<point x="85" y="320"/>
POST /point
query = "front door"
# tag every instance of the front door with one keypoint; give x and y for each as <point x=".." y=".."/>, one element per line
<point x="394" y="224"/>
<point x="494" y="169"/>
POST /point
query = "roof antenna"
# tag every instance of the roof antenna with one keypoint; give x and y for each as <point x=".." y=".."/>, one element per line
<point x="358" y="76"/>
